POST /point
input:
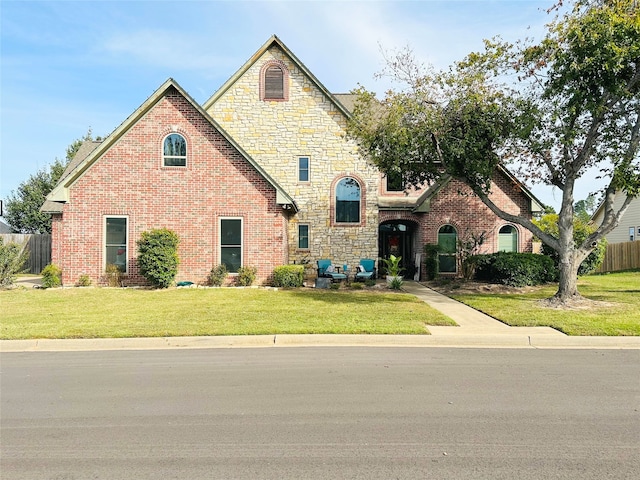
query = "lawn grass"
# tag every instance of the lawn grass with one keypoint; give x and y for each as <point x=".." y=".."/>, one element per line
<point x="619" y="314"/>
<point x="119" y="313"/>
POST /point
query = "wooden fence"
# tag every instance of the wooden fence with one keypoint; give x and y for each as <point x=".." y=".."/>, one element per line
<point x="621" y="256"/>
<point x="39" y="247"/>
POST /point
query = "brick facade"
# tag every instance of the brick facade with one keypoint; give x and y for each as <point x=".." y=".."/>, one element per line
<point x="130" y="180"/>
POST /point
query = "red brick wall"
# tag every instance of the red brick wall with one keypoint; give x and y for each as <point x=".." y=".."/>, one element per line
<point x="129" y="179"/>
<point x="456" y="205"/>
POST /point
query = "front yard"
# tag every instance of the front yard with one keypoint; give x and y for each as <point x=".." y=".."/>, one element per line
<point x="614" y="308"/>
<point x="114" y="313"/>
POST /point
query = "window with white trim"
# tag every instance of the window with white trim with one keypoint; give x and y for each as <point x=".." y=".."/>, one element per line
<point x="115" y="242"/>
<point x="231" y="243"/>
<point x="174" y="151"/>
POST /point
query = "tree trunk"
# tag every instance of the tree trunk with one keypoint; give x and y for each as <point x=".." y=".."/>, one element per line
<point x="568" y="280"/>
<point x="568" y="261"/>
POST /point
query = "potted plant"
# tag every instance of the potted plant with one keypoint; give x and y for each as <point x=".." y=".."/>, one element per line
<point x="393" y="268"/>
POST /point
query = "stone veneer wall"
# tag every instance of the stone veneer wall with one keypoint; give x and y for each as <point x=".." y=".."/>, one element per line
<point x="276" y="133"/>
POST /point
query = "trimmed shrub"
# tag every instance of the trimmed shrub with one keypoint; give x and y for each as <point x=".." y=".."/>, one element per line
<point x="12" y="260"/>
<point x="158" y="256"/>
<point x="113" y="275"/>
<point x="246" y="276"/>
<point x="217" y="276"/>
<point x="288" y="276"/>
<point x="83" y="281"/>
<point x="51" y="276"/>
<point x="515" y="269"/>
<point x="431" y="251"/>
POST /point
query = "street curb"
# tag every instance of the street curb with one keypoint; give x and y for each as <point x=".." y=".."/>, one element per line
<point x="511" y="340"/>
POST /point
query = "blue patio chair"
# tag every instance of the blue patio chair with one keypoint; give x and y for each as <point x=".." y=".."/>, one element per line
<point x="327" y="269"/>
<point x="366" y="270"/>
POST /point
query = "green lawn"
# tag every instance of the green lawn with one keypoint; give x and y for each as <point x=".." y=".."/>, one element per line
<point x="113" y="313"/>
<point x="618" y="315"/>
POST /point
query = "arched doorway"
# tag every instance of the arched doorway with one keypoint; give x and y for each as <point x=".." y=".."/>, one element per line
<point x="397" y="238"/>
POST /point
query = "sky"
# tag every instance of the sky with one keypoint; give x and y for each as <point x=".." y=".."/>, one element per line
<point x="70" y="66"/>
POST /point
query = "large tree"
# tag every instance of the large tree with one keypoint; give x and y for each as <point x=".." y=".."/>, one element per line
<point x="557" y="109"/>
<point x="23" y="206"/>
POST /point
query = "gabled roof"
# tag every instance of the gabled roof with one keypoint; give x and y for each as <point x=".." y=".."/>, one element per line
<point x="422" y="203"/>
<point x="80" y="164"/>
<point x="274" y="40"/>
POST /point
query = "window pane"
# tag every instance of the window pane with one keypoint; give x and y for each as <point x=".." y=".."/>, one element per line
<point x="348" y="201"/>
<point x="303" y="236"/>
<point x="231" y="232"/>
<point x="175" y="146"/>
<point x="231" y="257"/>
<point x="447" y="263"/>
<point x="116" y="242"/>
<point x="175" y="151"/>
<point x="394" y="182"/>
<point x="303" y="169"/>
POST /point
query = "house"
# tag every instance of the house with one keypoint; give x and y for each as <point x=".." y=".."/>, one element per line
<point x="261" y="174"/>
<point x="168" y="165"/>
<point x="295" y="129"/>
<point x="628" y="230"/>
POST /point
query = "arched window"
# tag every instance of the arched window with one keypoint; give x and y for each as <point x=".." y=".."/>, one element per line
<point x="508" y="239"/>
<point x="448" y="243"/>
<point x="274" y="83"/>
<point x="348" y="201"/>
<point x="174" y="151"/>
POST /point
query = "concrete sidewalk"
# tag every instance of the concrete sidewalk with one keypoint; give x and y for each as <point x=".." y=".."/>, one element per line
<point x="474" y="330"/>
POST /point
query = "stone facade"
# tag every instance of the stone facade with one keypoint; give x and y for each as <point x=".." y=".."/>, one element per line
<point x="307" y="124"/>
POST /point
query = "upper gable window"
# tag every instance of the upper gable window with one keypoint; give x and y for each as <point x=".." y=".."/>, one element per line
<point x="174" y="152"/>
<point x="274" y="82"/>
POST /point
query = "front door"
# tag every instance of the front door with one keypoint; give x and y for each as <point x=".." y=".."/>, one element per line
<point x="396" y="238"/>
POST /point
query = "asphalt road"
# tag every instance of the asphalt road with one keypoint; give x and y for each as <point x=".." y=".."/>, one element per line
<point x="321" y="413"/>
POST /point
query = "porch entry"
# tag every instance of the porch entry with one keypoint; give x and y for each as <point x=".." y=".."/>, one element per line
<point x="397" y="238"/>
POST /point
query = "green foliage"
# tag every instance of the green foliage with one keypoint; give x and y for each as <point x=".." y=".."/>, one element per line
<point x="246" y="276"/>
<point x="392" y="266"/>
<point x="22" y="208"/>
<point x="113" y="275"/>
<point x="515" y="269"/>
<point x="158" y="256"/>
<point x="431" y="251"/>
<point x="51" y="276"/>
<point x="370" y="282"/>
<point x="288" y="276"/>
<point x="396" y="283"/>
<point x="218" y="275"/>
<point x="576" y="106"/>
<point x="12" y="260"/>
<point x="83" y="281"/>
<point x="581" y="230"/>
<point x="335" y="285"/>
<point x="468" y="247"/>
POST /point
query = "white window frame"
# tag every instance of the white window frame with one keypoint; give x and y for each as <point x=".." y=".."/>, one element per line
<point x="104" y="240"/>
<point x="220" y="246"/>
<point x="164" y="157"/>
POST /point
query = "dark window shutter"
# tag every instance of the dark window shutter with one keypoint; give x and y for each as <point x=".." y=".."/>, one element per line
<point x="274" y="83"/>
